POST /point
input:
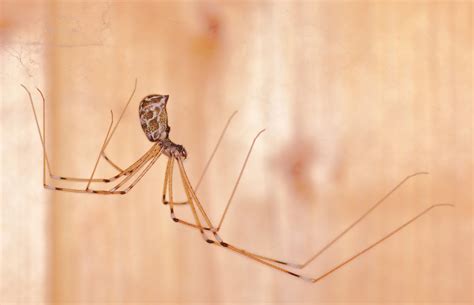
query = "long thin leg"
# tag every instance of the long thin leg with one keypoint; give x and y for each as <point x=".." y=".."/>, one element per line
<point x="346" y="230"/>
<point x="238" y="180"/>
<point x="143" y="172"/>
<point x="188" y="189"/>
<point x="330" y="243"/>
<point x="265" y="260"/>
<point x="168" y="186"/>
<point x="214" y="151"/>
<point x="43" y="141"/>
<point x="343" y="263"/>
<point x="352" y="225"/>
<point x="129" y="170"/>
<point x="124" y="172"/>
<point x="190" y="198"/>
<point x="206" y="167"/>
<point x="115" y="128"/>
<point x="153" y="157"/>
<point x="101" y="150"/>
<point x="44" y="131"/>
<point x="118" y="168"/>
<point x="155" y="148"/>
<point x="45" y="156"/>
<point x="325" y="247"/>
<point x="107" y="140"/>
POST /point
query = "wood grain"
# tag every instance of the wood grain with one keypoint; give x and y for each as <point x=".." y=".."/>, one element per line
<point x="354" y="97"/>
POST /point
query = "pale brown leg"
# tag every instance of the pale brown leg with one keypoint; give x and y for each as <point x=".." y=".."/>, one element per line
<point x="238" y="180"/>
<point x="115" y="128"/>
<point x="190" y="198"/>
<point x="118" y="168"/>
<point x="45" y="156"/>
<point x="147" y="168"/>
<point x="214" y="151"/>
<point x="192" y="195"/>
<point x="346" y="230"/>
<point x="124" y="172"/>
<point x="269" y="262"/>
<point x="330" y="243"/>
<point x="168" y="186"/>
<point x="114" y="191"/>
<point x="43" y="142"/>
<point x="164" y="201"/>
<point x="137" y="168"/>
<point x="129" y="173"/>
<point x="340" y="265"/>
<point x="101" y="150"/>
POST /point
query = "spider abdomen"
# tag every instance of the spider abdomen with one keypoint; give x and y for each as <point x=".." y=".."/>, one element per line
<point x="153" y="117"/>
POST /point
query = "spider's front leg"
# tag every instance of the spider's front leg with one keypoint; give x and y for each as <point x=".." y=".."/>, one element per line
<point x="42" y="135"/>
<point x="152" y="157"/>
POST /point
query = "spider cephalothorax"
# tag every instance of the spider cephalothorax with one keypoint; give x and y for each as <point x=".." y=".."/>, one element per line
<point x="154" y="121"/>
<point x="172" y="149"/>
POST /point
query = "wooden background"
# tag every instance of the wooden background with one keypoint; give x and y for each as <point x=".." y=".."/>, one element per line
<point x="354" y="96"/>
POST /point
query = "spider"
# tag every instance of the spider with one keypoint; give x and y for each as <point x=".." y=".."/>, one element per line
<point x="154" y="121"/>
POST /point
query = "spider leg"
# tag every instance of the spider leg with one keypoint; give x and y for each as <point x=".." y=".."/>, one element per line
<point x="115" y="128"/>
<point x="330" y="243"/>
<point x="118" y="168"/>
<point x="165" y="187"/>
<point x="168" y="185"/>
<point x="191" y="202"/>
<point x="154" y="158"/>
<point x="124" y="172"/>
<point x="43" y="142"/>
<point x="214" y="151"/>
<point x="164" y="201"/>
<point x="270" y="262"/>
<point x="339" y="265"/>
<point x="346" y="230"/>
<point x="155" y="154"/>
<point x="238" y="180"/>
<point x="167" y="175"/>
<point x="101" y="150"/>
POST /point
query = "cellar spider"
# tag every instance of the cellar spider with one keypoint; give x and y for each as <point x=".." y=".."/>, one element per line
<point x="154" y="121"/>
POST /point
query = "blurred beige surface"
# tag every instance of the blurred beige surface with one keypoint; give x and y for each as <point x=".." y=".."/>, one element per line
<point x="353" y="96"/>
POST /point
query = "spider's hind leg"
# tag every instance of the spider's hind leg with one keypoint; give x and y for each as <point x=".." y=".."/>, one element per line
<point x="275" y="263"/>
<point x="339" y="265"/>
<point x="204" y="171"/>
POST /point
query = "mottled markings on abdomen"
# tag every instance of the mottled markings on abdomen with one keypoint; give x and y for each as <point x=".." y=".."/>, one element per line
<point x="153" y="117"/>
